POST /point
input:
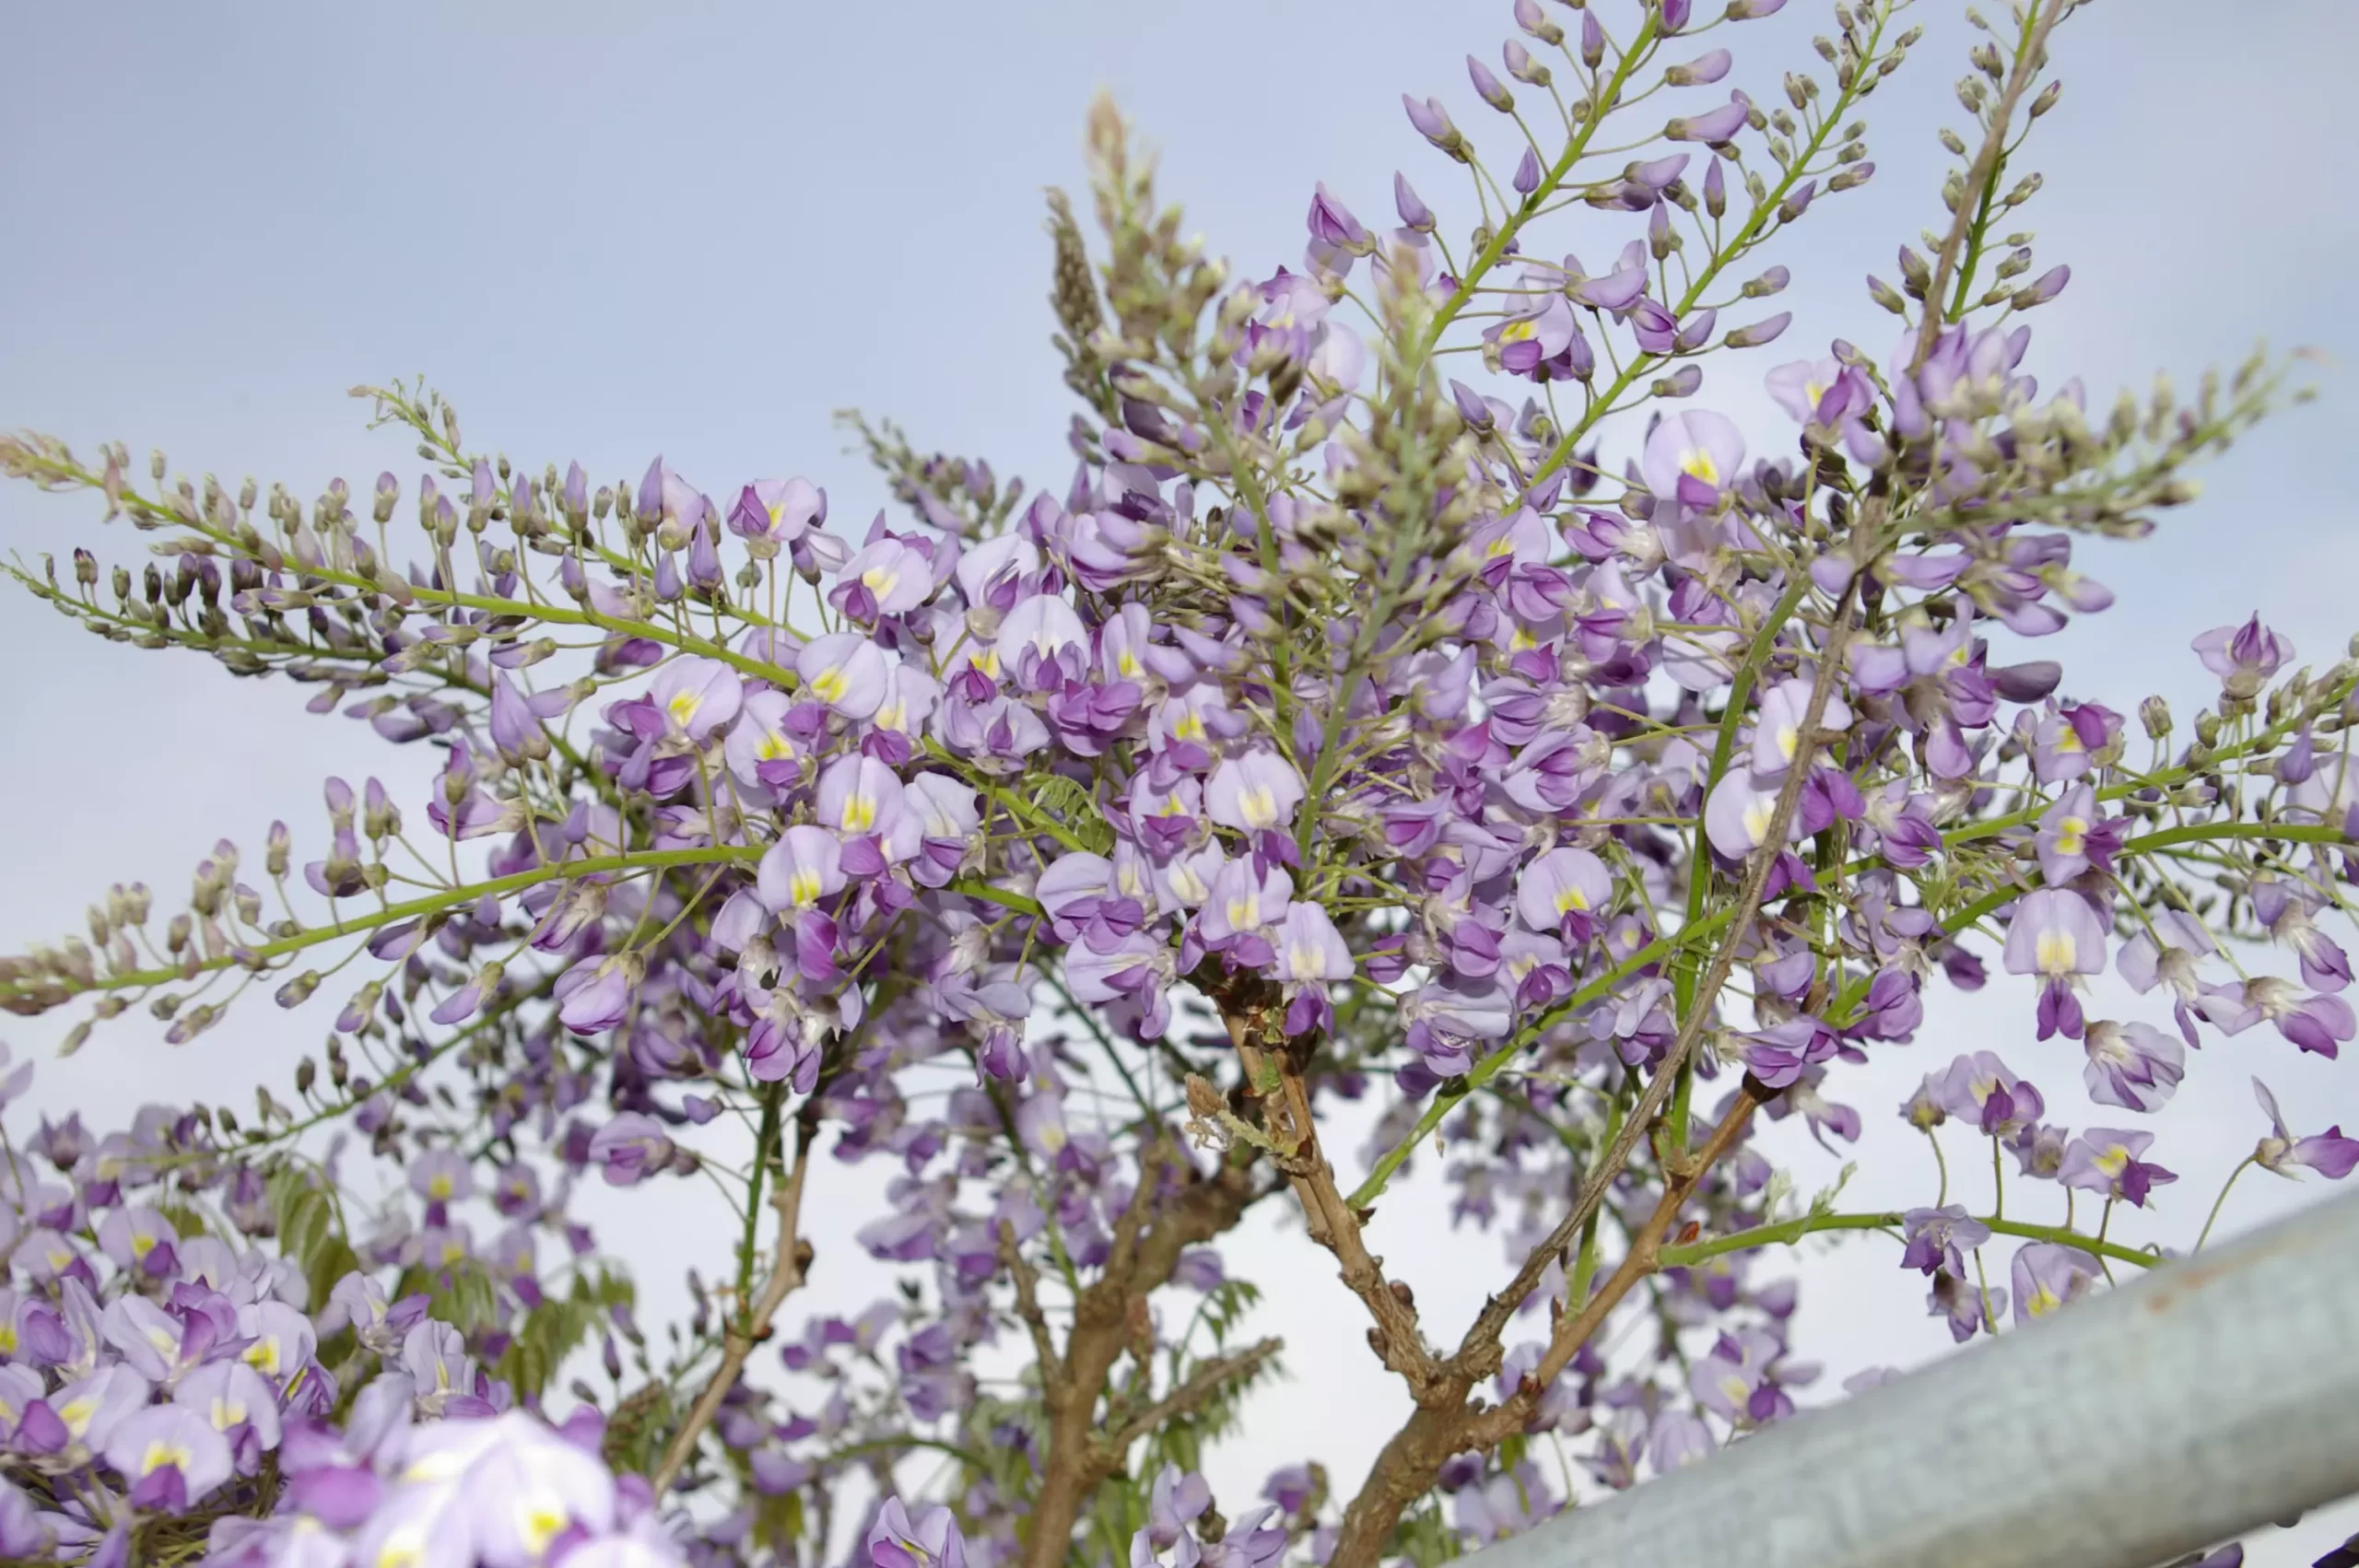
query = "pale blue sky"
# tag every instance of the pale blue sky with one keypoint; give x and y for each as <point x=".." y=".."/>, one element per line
<point x="610" y="230"/>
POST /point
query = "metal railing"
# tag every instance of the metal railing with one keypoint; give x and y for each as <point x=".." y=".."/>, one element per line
<point x="2214" y="1396"/>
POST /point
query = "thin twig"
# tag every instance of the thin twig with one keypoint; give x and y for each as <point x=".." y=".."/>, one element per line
<point x="1984" y="170"/>
<point x="1155" y="1228"/>
<point x="1027" y="1304"/>
<point x="1582" y="1320"/>
<point x="1483" y="1334"/>
<point x="788" y="1268"/>
<point x="1190" y="1392"/>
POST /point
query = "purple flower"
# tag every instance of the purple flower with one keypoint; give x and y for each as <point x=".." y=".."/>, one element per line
<point x="1939" y="1238"/>
<point x="2320" y="1024"/>
<point x="1311" y="955"/>
<point x="2243" y="656"/>
<point x="521" y="1488"/>
<point x="1332" y="223"/>
<point x="594" y="995"/>
<point x="139" y="1239"/>
<point x="933" y="1541"/>
<point x="2057" y="935"/>
<point x="1739" y="1380"/>
<point x="1254" y="791"/>
<point x="170" y="1455"/>
<point x="1739" y="814"/>
<point x="861" y="796"/>
<point x="2047" y="1275"/>
<point x="234" y="1398"/>
<point x="1036" y="632"/>
<point x="442" y="1176"/>
<point x="696" y="697"/>
<point x="1979" y="1089"/>
<point x="2134" y="1066"/>
<point x="2104" y="1159"/>
<point x="845" y="671"/>
<point x="1777" y="1055"/>
<point x="1432" y="121"/>
<point x="2330" y="1154"/>
<point x="1175" y="1502"/>
<point x="886" y="578"/>
<point x="630" y="1148"/>
<point x="1693" y="456"/>
<point x="1777" y="728"/>
<point x="1561" y="890"/>
<point x="777" y="511"/>
<point x="2287" y="908"/>
<point x="805" y="866"/>
<point x="1714" y="125"/>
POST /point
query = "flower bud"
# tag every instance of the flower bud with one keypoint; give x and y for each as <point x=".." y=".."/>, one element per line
<point x="1488" y="88"/>
<point x="1760" y="332"/>
<point x="1702" y="71"/>
<point x="2155" y="715"/>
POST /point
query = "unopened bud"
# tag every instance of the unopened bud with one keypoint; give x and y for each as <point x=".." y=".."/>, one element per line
<point x="2155" y="715"/>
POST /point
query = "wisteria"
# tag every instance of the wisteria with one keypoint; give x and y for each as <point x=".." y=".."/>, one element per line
<point x="1413" y="700"/>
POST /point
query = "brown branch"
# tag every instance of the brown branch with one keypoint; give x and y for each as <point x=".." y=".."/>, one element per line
<point x="1406" y="1467"/>
<point x="1190" y="1392"/>
<point x="789" y="1266"/>
<point x="1574" y="1329"/>
<point x="1444" y="1423"/>
<point x="1984" y="170"/>
<point x="1146" y="1248"/>
<point x="1027" y="1304"/>
<point x="1492" y="1321"/>
<point x="1263" y="1055"/>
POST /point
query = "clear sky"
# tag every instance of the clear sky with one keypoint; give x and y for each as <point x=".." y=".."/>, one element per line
<point x="610" y="230"/>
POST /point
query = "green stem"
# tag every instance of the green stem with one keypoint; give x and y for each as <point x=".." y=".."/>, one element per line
<point x="750" y="1242"/>
<point x="1480" y="265"/>
<point x="1787" y="1231"/>
<point x="1699" y="863"/>
<point x="450" y="898"/>
<point x="1746" y="234"/>
<point x="2220" y="1203"/>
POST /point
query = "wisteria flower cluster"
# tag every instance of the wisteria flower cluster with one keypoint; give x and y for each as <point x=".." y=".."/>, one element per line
<point x="1412" y="695"/>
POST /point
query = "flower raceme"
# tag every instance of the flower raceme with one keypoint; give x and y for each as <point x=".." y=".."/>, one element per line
<point x="1340" y="729"/>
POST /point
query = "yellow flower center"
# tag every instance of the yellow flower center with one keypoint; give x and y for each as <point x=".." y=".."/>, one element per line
<point x="859" y="812"/>
<point x="160" y="1454"/>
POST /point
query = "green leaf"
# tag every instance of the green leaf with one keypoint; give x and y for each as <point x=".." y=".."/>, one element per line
<point x="1071" y="807"/>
